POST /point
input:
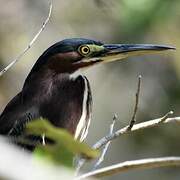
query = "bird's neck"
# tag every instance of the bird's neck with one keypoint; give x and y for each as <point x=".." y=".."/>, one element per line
<point x="43" y="81"/>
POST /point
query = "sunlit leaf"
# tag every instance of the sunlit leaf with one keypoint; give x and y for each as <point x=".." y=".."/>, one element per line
<point x="65" y="147"/>
<point x="55" y="154"/>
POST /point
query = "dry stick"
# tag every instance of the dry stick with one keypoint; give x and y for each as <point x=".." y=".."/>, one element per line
<point x="30" y="44"/>
<point x="101" y="159"/>
<point x="131" y="165"/>
<point x="133" y="120"/>
<point x="140" y="126"/>
<point x="136" y="127"/>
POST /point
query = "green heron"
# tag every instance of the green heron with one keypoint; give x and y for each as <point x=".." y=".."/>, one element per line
<point x="55" y="91"/>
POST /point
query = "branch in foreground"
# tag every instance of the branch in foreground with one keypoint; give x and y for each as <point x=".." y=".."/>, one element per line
<point x="131" y="124"/>
<point x="136" y="127"/>
<point x="144" y="125"/>
<point x="30" y="44"/>
<point x="131" y="165"/>
<point x="101" y="158"/>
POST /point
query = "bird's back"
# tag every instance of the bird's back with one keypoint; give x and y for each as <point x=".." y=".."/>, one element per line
<point x="15" y="115"/>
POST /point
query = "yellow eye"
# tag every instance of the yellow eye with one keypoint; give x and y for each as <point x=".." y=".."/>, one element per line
<point x="84" y="50"/>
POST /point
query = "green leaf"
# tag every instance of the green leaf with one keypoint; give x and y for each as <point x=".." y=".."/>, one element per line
<point x="54" y="154"/>
<point x="65" y="147"/>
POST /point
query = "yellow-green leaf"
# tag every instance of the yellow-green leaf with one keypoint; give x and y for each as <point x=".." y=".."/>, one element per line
<point x="64" y="148"/>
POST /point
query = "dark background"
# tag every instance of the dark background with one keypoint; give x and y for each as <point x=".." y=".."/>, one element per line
<point x="113" y="85"/>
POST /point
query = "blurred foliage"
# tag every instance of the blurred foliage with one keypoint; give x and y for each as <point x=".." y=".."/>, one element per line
<point x="63" y="149"/>
<point x="139" y="16"/>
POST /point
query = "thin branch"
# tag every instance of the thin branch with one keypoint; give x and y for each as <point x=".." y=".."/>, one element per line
<point x="136" y="127"/>
<point x="133" y="120"/>
<point x="101" y="158"/>
<point x="131" y="165"/>
<point x="165" y="117"/>
<point x="31" y="42"/>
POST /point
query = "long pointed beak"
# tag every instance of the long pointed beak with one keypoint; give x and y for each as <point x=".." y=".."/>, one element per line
<point x="115" y="52"/>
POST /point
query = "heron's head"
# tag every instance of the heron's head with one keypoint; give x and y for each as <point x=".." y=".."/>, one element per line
<point x="73" y="54"/>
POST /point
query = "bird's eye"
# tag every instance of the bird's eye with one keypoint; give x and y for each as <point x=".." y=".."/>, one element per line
<point x="84" y="50"/>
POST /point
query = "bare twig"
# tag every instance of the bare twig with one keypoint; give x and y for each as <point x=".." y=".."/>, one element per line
<point x="137" y="127"/>
<point x="81" y="161"/>
<point x="133" y="120"/>
<point x="165" y="117"/>
<point x="131" y="165"/>
<point x="31" y="42"/>
<point x="101" y="159"/>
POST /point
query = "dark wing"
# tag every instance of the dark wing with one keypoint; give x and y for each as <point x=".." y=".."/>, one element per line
<point x="15" y="116"/>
